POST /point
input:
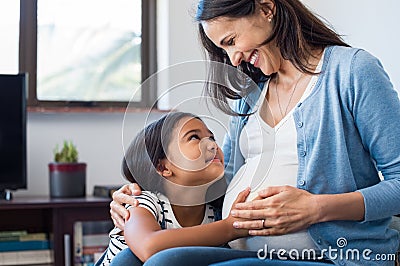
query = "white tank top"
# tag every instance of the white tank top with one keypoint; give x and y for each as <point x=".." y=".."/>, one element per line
<point x="270" y="160"/>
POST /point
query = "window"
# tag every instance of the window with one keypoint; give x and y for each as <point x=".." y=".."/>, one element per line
<point x="92" y="53"/>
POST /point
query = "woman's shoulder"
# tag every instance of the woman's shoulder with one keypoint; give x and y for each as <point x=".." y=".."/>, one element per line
<point x="341" y="55"/>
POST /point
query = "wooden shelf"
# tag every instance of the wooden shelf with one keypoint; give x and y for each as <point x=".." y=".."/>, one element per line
<point x="54" y="216"/>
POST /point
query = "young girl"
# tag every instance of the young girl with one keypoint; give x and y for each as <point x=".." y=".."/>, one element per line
<point x="176" y="159"/>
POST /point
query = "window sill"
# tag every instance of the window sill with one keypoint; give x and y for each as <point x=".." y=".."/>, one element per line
<point x="33" y="109"/>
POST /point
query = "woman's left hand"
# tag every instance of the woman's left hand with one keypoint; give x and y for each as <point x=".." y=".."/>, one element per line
<point x="277" y="210"/>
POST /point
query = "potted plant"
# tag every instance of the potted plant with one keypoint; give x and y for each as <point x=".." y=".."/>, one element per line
<point x="67" y="175"/>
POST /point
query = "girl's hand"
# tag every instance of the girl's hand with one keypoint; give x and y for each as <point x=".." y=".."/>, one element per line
<point x="232" y="220"/>
<point x="123" y="196"/>
<point x="277" y="210"/>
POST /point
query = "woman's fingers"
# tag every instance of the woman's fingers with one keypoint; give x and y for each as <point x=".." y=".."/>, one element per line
<point x="268" y="232"/>
<point x="124" y="194"/>
<point x="121" y="197"/>
<point x="136" y="190"/>
<point x="252" y="224"/>
<point x="118" y="212"/>
<point x="284" y="209"/>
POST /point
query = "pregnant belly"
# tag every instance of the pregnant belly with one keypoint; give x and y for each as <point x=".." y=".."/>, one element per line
<point x="257" y="176"/>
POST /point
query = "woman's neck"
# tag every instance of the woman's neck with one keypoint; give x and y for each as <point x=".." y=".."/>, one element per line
<point x="189" y="215"/>
<point x="288" y="73"/>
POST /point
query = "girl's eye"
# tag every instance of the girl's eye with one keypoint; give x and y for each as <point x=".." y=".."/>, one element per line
<point x="212" y="138"/>
<point x="195" y="136"/>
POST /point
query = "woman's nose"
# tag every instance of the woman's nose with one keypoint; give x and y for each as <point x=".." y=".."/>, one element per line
<point x="235" y="56"/>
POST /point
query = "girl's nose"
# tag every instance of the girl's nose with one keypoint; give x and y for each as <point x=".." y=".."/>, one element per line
<point x="209" y="144"/>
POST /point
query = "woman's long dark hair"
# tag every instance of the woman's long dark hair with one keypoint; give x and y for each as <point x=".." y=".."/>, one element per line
<point x="296" y="30"/>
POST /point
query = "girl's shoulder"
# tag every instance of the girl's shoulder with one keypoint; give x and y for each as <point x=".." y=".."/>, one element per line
<point x="153" y="202"/>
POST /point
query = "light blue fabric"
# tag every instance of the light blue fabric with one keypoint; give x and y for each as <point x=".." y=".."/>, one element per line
<point x="347" y="130"/>
<point x="126" y="258"/>
<point x="201" y="256"/>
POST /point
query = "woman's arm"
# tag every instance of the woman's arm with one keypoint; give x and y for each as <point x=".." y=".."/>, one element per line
<point x="144" y="236"/>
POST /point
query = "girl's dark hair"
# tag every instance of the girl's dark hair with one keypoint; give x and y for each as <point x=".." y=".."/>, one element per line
<point x="296" y="30"/>
<point x="142" y="158"/>
<point x="148" y="148"/>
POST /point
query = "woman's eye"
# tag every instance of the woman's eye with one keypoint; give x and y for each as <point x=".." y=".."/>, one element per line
<point x="212" y="138"/>
<point x="231" y="41"/>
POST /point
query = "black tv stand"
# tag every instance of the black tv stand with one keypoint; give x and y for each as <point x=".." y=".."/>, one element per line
<point x="5" y="195"/>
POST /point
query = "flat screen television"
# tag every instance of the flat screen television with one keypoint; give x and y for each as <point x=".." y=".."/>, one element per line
<point x="13" y="90"/>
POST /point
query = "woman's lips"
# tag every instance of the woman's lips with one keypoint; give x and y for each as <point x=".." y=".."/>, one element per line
<point x="254" y="57"/>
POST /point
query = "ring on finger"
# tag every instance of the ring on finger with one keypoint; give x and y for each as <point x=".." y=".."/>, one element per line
<point x="262" y="223"/>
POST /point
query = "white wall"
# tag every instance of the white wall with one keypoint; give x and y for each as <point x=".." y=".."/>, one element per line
<point x="99" y="135"/>
<point x="371" y="25"/>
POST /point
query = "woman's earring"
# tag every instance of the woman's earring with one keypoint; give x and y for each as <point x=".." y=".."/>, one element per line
<point x="270" y="18"/>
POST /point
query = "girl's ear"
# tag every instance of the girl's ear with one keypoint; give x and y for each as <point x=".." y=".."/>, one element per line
<point x="164" y="170"/>
<point x="166" y="173"/>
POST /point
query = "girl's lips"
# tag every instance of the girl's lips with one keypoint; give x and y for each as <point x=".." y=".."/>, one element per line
<point x="214" y="160"/>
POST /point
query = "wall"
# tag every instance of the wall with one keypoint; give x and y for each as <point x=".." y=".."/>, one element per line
<point x="367" y="24"/>
<point x="99" y="136"/>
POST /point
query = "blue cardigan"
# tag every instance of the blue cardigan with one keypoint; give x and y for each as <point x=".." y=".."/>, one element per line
<point x="347" y="130"/>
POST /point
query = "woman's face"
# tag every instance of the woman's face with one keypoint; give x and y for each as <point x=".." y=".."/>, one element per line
<point x="193" y="155"/>
<point x="241" y="38"/>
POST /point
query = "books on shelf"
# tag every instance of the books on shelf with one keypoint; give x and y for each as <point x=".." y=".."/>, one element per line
<point x="26" y="257"/>
<point x="13" y="233"/>
<point x="24" y="245"/>
<point x="24" y="237"/>
<point x="105" y="191"/>
<point x="90" y="241"/>
<point x="23" y="248"/>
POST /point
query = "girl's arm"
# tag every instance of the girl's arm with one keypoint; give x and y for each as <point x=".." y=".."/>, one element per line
<point x="144" y="236"/>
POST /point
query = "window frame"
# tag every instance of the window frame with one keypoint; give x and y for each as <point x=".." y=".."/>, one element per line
<point x="28" y="60"/>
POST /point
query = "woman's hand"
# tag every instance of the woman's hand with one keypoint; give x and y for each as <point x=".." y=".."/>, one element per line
<point x="237" y="232"/>
<point x="119" y="214"/>
<point x="278" y="210"/>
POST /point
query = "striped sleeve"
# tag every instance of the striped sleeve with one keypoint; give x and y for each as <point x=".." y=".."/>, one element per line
<point x="149" y="201"/>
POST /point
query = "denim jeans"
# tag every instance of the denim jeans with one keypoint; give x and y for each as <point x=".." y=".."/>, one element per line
<point x="126" y="258"/>
<point x="217" y="256"/>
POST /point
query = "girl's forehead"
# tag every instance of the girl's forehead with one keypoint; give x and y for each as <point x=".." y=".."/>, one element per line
<point x="189" y="123"/>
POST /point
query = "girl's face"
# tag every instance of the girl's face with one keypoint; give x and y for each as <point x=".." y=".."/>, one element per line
<point x="241" y="39"/>
<point x="194" y="157"/>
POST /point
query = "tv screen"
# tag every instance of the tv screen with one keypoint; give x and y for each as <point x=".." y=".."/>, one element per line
<point x="13" y="132"/>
